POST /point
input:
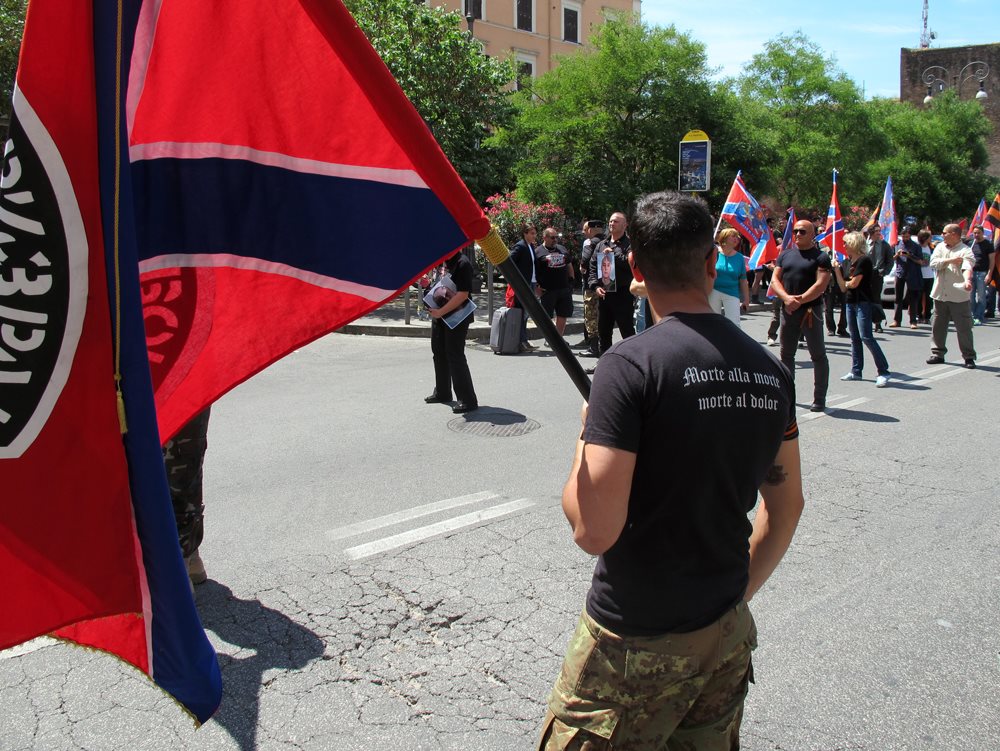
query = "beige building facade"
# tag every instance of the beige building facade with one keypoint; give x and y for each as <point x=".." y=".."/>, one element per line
<point x="536" y="31"/>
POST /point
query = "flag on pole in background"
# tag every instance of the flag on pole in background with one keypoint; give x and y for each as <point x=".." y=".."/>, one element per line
<point x="179" y="238"/>
<point x="887" y="216"/>
<point x="833" y="236"/>
<point x="743" y="212"/>
<point x="979" y="219"/>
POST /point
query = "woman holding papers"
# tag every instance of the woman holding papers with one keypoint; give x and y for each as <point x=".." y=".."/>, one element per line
<point x="451" y="308"/>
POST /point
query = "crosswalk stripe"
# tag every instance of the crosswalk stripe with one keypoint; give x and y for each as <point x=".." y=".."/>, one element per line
<point x="940" y="372"/>
<point x="448" y="525"/>
<point x="352" y="530"/>
<point x="844" y="405"/>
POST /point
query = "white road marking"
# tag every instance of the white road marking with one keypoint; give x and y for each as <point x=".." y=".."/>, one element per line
<point x="829" y="410"/>
<point x="947" y="371"/>
<point x="28" y="647"/>
<point x="351" y="530"/>
<point x="422" y="533"/>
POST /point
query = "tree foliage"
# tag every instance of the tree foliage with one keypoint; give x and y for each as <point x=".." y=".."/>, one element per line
<point x="604" y="126"/>
<point x="812" y="116"/>
<point x="935" y="154"/>
<point x="462" y="94"/>
<point x="11" y="26"/>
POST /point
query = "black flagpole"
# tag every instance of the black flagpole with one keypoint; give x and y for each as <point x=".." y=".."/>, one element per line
<point x="497" y="253"/>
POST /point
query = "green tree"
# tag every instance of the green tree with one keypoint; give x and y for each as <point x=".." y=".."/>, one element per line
<point x="11" y="28"/>
<point x="462" y="94"/>
<point x="935" y="154"/>
<point x="604" y="126"/>
<point x="813" y="119"/>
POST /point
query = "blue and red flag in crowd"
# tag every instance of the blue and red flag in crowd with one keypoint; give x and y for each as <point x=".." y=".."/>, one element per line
<point x="833" y="235"/>
<point x="979" y="219"/>
<point x="788" y="238"/>
<point x="743" y="212"/>
<point x="887" y="216"/>
<point x="176" y="239"/>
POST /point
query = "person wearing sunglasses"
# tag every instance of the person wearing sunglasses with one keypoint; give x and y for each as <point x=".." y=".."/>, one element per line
<point x="801" y="275"/>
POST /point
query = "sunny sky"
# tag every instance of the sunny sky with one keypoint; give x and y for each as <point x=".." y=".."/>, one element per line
<point x="864" y="36"/>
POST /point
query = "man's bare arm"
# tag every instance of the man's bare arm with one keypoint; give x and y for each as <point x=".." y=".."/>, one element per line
<point x="595" y="498"/>
<point x="777" y="515"/>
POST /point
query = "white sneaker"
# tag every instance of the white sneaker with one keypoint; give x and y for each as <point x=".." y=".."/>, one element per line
<point x="851" y="377"/>
<point x="772" y="342"/>
<point x="881" y="382"/>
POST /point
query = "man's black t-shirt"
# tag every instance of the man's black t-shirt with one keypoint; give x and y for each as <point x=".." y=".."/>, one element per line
<point x="982" y="250"/>
<point x="861" y="266"/>
<point x="799" y="269"/>
<point x="705" y="409"/>
<point x="552" y="267"/>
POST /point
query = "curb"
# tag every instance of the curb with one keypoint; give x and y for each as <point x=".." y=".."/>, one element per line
<point x="479" y="331"/>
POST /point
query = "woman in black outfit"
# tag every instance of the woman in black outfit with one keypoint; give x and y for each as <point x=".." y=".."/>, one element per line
<point x="448" y="344"/>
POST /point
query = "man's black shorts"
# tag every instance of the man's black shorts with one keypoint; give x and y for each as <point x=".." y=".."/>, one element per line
<point x="558" y="302"/>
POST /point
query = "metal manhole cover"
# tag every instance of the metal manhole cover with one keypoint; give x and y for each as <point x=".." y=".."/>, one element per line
<point x="493" y="423"/>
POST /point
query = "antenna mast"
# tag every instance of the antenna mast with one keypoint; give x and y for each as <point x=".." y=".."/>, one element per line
<point x="926" y="35"/>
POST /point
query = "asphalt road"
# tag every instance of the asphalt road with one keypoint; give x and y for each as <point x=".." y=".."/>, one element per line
<point x="384" y="575"/>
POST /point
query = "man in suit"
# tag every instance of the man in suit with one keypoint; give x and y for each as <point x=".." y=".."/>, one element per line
<point x="883" y="261"/>
<point x="523" y="255"/>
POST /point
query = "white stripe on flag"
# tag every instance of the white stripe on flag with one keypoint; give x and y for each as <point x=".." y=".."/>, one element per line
<point x="177" y="150"/>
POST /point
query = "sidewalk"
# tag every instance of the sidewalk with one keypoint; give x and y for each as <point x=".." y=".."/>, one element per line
<point x="390" y="319"/>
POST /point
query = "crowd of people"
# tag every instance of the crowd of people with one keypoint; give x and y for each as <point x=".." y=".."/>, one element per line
<point x="953" y="280"/>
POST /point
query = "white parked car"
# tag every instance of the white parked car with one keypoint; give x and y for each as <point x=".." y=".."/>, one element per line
<point x="888" y="290"/>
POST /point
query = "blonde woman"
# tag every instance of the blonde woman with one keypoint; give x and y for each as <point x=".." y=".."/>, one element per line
<point x="859" y="290"/>
<point x="730" y="293"/>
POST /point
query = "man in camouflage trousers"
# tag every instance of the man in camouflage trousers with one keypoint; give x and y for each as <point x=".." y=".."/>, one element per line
<point x="184" y="458"/>
<point x="685" y="424"/>
<point x="593" y="232"/>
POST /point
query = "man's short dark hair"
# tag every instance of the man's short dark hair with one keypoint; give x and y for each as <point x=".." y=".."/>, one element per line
<point x="593" y="224"/>
<point x="671" y="236"/>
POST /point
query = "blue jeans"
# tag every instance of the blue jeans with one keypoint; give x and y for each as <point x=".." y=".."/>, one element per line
<point x="978" y="299"/>
<point x="859" y="324"/>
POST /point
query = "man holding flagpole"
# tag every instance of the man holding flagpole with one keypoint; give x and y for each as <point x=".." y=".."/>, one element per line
<point x="801" y="275"/>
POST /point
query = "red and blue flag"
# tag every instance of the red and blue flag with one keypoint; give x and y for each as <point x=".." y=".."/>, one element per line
<point x="188" y="194"/>
<point x="979" y="220"/>
<point x="887" y="216"/>
<point x="743" y="212"/>
<point x="833" y="235"/>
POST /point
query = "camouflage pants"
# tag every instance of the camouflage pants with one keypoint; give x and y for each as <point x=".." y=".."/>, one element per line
<point x="590" y="314"/>
<point x="679" y="692"/>
<point x="184" y="457"/>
